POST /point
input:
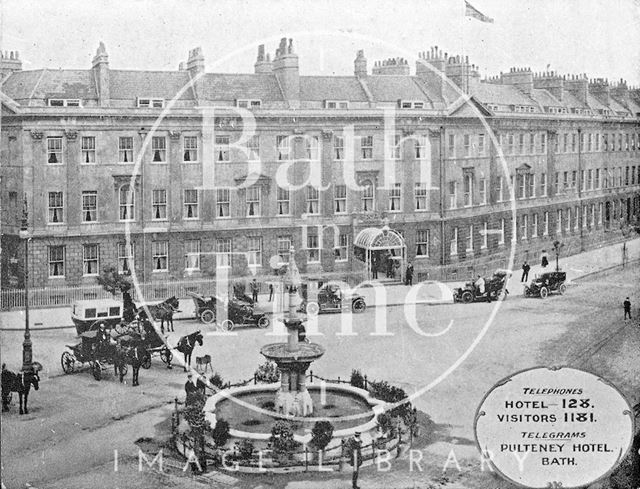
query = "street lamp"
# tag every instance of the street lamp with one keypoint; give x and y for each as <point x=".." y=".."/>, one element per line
<point x="27" y="347"/>
<point x="557" y="246"/>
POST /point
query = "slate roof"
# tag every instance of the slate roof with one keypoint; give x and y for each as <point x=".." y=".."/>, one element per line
<point x="221" y="86"/>
<point x="391" y="88"/>
<point x="544" y="98"/>
<point x="502" y="95"/>
<point x="130" y="84"/>
<point x="331" y="88"/>
<point x="44" y="84"/>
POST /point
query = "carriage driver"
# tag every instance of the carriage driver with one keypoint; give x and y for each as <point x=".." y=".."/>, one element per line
<point x="102" y="339"/>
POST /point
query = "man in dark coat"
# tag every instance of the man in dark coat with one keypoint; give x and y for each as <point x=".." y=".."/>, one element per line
<point x="254" y="290"/>
<point x="194" y="388"/>
<point x="627" y="308"/>
<point x="525" y="271"/>
<point x="355" y="458"/>
<point x="409" y="275"/>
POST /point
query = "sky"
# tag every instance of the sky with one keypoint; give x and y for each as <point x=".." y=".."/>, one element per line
<point x="598" y="37"/>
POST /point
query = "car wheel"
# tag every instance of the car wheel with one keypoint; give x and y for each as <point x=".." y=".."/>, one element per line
<point x="207" y="316"/>
<point x="562" y="289"/>
<point x="544" y="292"/>
<point x="263" y="322"/>
<point x="467" y="297"/>
<point x="358" y="306"/>
<point x="526" y="292"/>
<point x="227" y="325"/>
<point x="312" y="309"/>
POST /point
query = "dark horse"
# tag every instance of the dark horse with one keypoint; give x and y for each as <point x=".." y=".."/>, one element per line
<point x="186" y="344"/>
<point x="20" y="383"/>
<point x="129" y="353"/>
<point x="163" y="311"/>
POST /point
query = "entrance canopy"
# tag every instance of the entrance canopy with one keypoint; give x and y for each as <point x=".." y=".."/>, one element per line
<point x="379" y="239"/>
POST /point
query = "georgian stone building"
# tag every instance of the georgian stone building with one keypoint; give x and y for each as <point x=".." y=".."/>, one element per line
<point x="162" y="157"/>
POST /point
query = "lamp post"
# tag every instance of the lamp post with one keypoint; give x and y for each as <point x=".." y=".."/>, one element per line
<point x="557" y="246"/>
<point x="27" y="347"/>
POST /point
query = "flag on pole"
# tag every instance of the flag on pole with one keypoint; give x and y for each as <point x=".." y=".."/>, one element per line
<point x="471" y="11"/>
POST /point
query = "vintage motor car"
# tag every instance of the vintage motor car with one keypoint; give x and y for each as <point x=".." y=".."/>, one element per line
<point x="239" y="312"/>
<point x="330" y="298"/>
<point x="543" y="285"/>
<point x="495" y="288"/>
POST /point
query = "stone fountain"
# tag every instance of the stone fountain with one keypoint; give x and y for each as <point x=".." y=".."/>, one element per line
<point x="293" y="357"/>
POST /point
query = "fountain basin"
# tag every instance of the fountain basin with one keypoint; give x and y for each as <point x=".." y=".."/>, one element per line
<point x="249" y="411"/>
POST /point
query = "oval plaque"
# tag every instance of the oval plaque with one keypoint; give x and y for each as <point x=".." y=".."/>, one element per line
<point x="548" y="427"/>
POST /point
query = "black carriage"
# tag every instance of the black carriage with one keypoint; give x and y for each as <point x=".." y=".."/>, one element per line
<point x="545" y="284"/>
<point x="154" y="344"/>
<point x="495" y="288"/>
<point x="90" y="351"/>
<point x="239" y="312"/>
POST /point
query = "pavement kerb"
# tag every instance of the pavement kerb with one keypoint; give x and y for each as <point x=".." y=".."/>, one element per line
<point x="389" y="304"/>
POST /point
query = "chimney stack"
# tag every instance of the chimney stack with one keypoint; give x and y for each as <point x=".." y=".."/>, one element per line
<point x="579" y="87"/>
<point x="521" y="78"/>
<point x="600" y="89"/>
<point x="460" y="72"/>
<point x="9" y="62"/>
<point x="360" y="65"/>
<point x="100" y="67"/>
<point x="285" y="67"/>
<point x="263" y="63"/>
<point x="392" y="66"/>
<point x="551" y="82"/>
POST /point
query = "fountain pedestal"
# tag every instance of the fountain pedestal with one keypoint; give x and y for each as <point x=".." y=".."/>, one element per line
<point x="293" y="359"/>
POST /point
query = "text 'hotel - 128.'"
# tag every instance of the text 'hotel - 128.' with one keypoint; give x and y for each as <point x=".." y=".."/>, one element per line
<point x="182" y="175"/>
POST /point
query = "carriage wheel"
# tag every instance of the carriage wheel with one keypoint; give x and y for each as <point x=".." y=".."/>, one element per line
<point x="227" y="325"/>
<point x="544" y="292"/>
<point x="146" y="361"/>
<point x="207" y="316"/>
<point x="562" y="289"/>
<point x="96" y="370"/>
<point x="68" y="362"/>
<point x="263" y="322"/>
<point x="312" y="309"/>
<point x="166" y="356"/>
<point x="358" y="306"/>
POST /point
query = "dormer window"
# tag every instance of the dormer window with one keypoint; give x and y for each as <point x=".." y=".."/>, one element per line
<point x="411" y="104"/>
<point x="336" y="104"/>
<point x="64" y="102"/>
<point x="523" y="108"/>
<point x="249" y="103"/>
<point x="155" y="103"/>
<point x="493" y="107"/>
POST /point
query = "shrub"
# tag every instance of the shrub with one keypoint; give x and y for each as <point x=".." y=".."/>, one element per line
<point x="220" y="433"/>
<point x="268" y="373"/>
<point x="321" y="434"/>
<point x="357" y="379"/>
<point x="386" y="425"/>
<point x="216" y="380"/>
<point x="384" y="391"/>
<point x="245" y="449"/>
<point x="282" y="438"/>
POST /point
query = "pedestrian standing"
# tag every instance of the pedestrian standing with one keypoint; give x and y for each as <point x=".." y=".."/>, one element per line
<point x="355" y="459"/>
<point x="409" y="275"/>
<point x="525" y="271"/>
<point x="545" y="260"/>
<point x="627" y="308"/>
<point x="270" y="292"/>
<point x="254" y="290"/>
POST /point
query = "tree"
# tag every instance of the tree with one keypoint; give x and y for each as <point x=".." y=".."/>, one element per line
<point x="357" y="379"/>
<point x="321" y="434"/>
<point x="113" y="281"/>
<point x="220" y="433"/>
<point x="282" y="439"/>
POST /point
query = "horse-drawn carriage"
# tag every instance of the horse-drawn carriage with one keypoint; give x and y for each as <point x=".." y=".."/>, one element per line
<point x="239" y="312"/>
<point x="90" y="351"/>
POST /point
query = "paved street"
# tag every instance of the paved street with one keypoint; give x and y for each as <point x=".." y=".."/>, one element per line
<point x="76" y="423"/>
